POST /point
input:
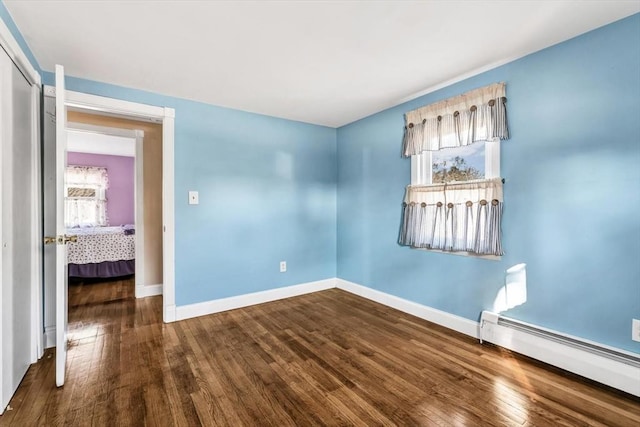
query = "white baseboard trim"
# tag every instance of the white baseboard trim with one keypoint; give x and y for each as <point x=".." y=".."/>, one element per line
<point x="143" y="291"/>
<point x="169" y="314"/>
<point x="49" y="336"/>
<point x="607" y="371"/>
<point x="231" y="303"/>
<point x="613" y="373"/>
<point x="442" y="318"/>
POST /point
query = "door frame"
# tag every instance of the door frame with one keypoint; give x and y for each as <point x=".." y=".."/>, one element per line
<point x="37" y="230"/>
<point x="165" y="116"/>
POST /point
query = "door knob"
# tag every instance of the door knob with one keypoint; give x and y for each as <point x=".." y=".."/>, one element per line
<point x="63" y="240"/>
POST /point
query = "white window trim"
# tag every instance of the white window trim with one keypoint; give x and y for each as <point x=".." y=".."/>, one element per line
<point x="422" y="173"/>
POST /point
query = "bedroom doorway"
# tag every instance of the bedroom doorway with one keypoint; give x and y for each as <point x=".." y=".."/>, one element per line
<point x="131" y="154"/>
<point x="104" y="209"/>
<point x="91" y="110"/>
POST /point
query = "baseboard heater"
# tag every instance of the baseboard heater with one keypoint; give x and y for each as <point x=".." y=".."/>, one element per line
<point x="614" y="367"/>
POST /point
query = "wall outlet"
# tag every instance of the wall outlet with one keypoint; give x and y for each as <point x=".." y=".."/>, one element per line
<point x="283" y="266"/>
<point x="635" y="329"/>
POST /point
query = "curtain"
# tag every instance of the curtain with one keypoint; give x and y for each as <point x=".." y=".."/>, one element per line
<point x="477" y="115"/>
<point x="85" y="196"/>
<point x="460" y="217"/>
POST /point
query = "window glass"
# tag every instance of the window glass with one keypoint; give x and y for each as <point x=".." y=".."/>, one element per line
<point x="458" y="164"/>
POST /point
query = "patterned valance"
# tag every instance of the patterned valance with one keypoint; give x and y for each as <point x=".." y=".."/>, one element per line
<point x="461" y="217"/>
<point x="85" y="202"/>
<point x="477" y="115"/>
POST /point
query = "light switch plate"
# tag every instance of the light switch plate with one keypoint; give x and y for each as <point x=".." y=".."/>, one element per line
<point x="193" y="198"/>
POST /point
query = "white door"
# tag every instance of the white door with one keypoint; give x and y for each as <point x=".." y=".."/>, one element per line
<point x="16" y="234"/>
<point x="61" y="237"/>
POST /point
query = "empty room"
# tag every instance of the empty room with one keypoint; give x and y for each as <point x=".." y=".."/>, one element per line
<point x="301" y="213"/>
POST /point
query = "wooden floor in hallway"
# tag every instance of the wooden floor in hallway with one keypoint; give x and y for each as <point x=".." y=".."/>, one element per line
<point x="328" y="358"/>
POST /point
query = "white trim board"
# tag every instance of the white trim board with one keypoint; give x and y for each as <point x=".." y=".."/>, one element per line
<point x="37" y="257"/>
<point x="598" y="368"/>
<point x="451" y="321"/>
<point x="216" y="306"/>
<point x="50" y="336"/>
<point x="143" y="291"/>
<point x="168" y="216"/>
<point x="138" y="189"/>
<point x="442" y="318"/>
<point x="589" y="365"/>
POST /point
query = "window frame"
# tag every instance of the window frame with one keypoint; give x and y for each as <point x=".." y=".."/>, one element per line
<point x="422" y="174"/>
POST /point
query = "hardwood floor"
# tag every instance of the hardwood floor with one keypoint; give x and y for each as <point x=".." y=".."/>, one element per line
<point x="329" y="358"/>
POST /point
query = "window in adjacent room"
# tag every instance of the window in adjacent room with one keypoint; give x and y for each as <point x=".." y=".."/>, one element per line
<point x="85" y="196"/>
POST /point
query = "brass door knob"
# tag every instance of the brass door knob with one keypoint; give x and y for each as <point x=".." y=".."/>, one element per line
<point x="48" y="240"/>
<point x="73" y="239"/>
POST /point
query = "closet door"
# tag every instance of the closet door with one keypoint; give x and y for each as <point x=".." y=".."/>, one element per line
<point x="16" y="234"/>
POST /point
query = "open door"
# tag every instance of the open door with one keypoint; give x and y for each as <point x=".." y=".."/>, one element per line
<point x="55" y="212"/>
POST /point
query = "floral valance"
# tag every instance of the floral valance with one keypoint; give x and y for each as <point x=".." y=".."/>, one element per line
<point x="86" y="196"/>
<point x="477" y="115"/>
<point x="88" y="177"/>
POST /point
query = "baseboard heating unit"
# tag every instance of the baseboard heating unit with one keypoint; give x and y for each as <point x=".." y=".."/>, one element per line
<point x="611" y="366"/>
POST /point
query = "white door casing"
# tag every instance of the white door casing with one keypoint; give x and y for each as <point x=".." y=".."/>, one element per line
<point x="62" y="292"/>
<point x="165" y="116"/>
<point x="134" y="111"/>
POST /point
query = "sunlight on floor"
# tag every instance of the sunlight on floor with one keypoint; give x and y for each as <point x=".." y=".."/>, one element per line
<point x="86" y="330"/>
<point x="510" y="402"/>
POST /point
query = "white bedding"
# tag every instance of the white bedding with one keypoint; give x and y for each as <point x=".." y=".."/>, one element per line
<point x="100" y="244"/>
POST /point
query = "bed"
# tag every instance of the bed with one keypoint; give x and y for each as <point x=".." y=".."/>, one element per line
<point x="102" y="252"/>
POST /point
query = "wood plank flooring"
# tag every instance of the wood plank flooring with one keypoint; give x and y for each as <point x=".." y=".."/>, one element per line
<point x="329" y="358"/>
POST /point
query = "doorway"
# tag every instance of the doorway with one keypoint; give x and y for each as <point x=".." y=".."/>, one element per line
<point x="91" y="110"/>
<point x="141" y="141"/>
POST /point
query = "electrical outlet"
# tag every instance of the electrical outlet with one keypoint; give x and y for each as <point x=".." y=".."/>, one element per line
<point x="283" y="266"/>
<point x="635" y="329"/>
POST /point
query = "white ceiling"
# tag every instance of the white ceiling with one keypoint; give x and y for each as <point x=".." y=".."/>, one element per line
<point x="322" y="62"/>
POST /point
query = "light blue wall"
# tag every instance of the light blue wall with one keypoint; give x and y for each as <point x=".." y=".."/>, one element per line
<point x="572" y="197"/>
<point x="8" y="20"/>
<point x="267" y="193"/>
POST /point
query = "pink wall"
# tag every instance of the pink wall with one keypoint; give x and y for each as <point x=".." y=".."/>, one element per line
<point x="120" y="194"/>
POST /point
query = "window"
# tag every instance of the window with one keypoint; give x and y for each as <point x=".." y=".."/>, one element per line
<point x="458" y="164"/>
<point x="85" y="196"/>
<point x="454" y="201"/>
